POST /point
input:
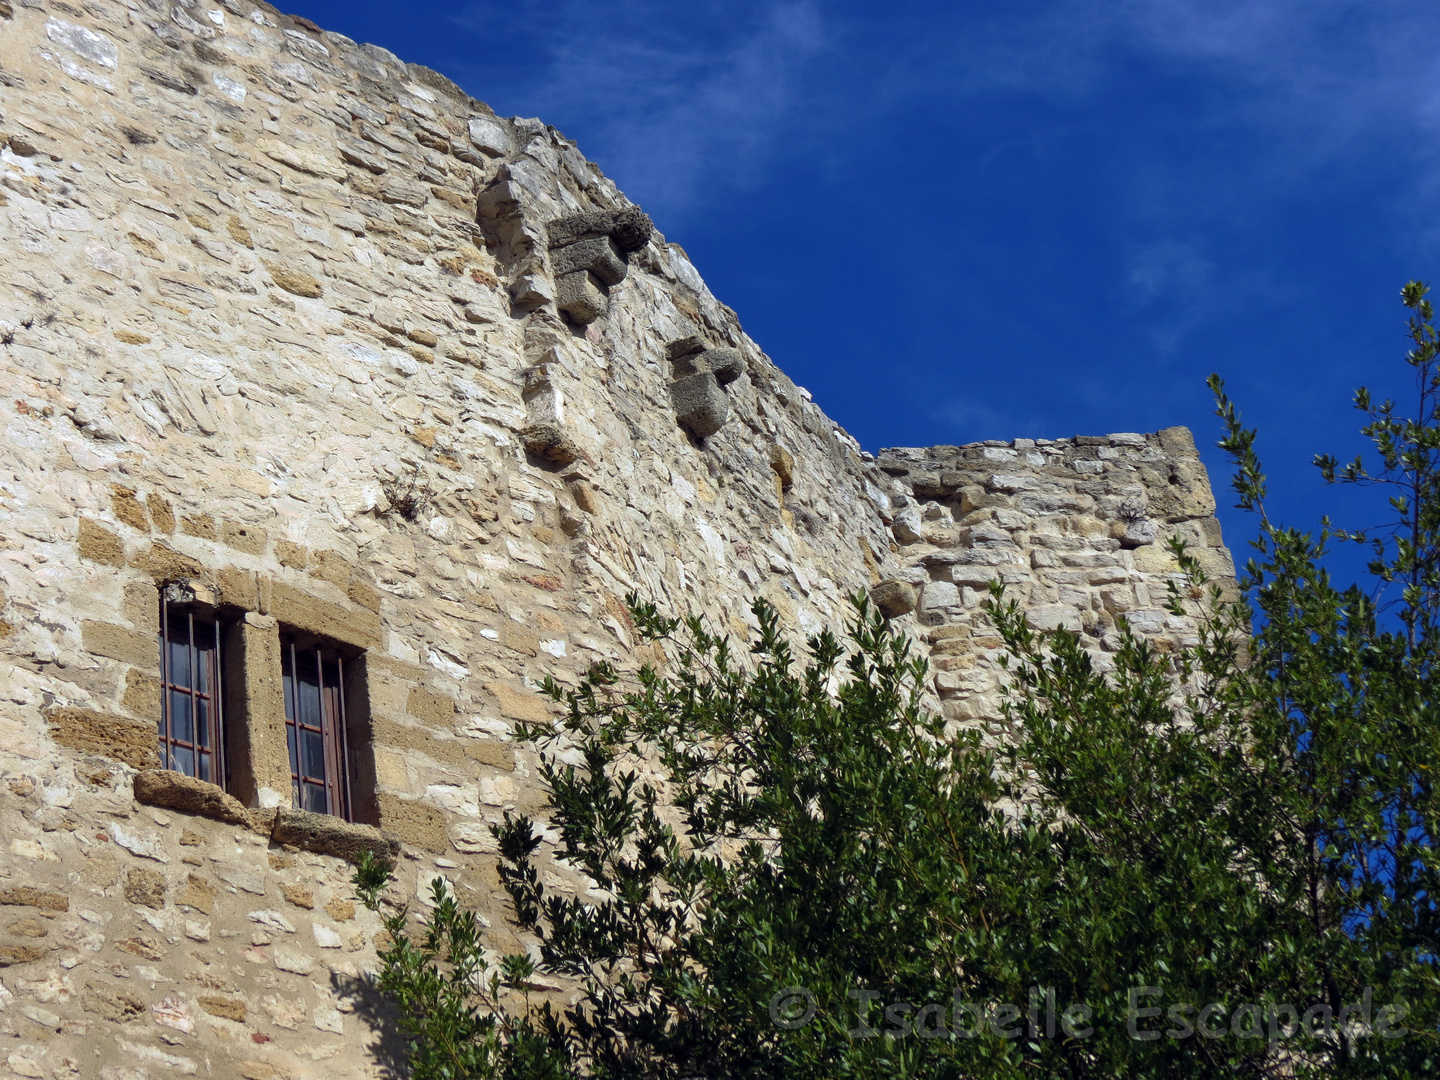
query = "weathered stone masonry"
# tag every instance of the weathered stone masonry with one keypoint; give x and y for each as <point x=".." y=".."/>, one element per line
<point x="316" y="346"/>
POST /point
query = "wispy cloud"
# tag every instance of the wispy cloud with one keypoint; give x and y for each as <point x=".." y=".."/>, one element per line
<point x="675" y="99"/>
<point x="681" y="102"/>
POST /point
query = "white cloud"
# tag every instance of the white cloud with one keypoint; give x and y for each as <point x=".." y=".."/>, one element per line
<point x="676" y="99"/>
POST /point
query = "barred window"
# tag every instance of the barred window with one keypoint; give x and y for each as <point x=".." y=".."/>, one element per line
<point x="190" y="709"/>
<point x="314" y="679"/>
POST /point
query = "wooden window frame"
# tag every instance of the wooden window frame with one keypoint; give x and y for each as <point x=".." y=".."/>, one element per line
<point x="332" y="729"/>
<point x="177" y="604"/>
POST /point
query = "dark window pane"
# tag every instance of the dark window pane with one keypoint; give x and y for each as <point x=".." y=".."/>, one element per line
<point x="179" y="670"/>
<point x="288" y="683"/>
<point x="314" y="754"/>
<point x="315" y="799"/>
<point x="181" y="726"/>
<point x="205" y="768"/>
<point x="202" y="722"/>
<point x="182" y="760"/>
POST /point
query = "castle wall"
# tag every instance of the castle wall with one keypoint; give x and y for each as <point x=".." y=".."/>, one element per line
<point x="311" y="341"/>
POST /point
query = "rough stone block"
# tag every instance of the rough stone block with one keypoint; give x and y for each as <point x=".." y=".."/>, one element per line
<point x="531" y="290"/>
<point x="164" y="563"/>
<point x="907" y="525"/>
<point x="29" y="896"/>
<point x="783" y="463"/>
<point x="237" y="588"/>
<point x="201" y="525"/>
<point x="358" y="626"/>
<point x="496" y="755"/>
<point x="1054" y="617"/>
<point x="99" y="544"/>
<point x="630" y="228"/>
<point x="413" y="822"/>
<point x="142" y="694"/>
<point x="939" y="595"/>
<point x="176" y="791"/>
<point x="519" y="703"/>
<point x="296" y="281"/>
<point x="1178" y="442"/>
<point x="597" y="255"/>
<point x="685" y="346"/>
<point x="893" y="598"/>
<point x="118" y="643"/>
<point x="162" y="514"/>
<point x="579" y="295"/>
<point x="326" y="835"/>
<point x="550" y="442"/>
<point x="145" y="887"/>
<point x="224" y="1007"/>
<point x="246" y="538"/>
<point x="127" y="508"/>
<point x="727" y="364"/>
<point x="700" y="404"/>
<point x="489" y="135"/>
<point x="427" y="705"/>
<point x="104" y="735"/>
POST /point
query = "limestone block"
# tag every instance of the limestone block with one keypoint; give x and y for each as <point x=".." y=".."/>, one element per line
<point x="413" y="822"/>
<point x="127" y="508"/>
<point x="579" y="295"/>
<point x="700" y="404"/>
<point x="105" y="736"/>
<point x="531" y="290"/>
<point x="430" y="706"/>
<point x="893" y="598"/>
<point x="359" y="627"/>
<point x="907" y="526"/>
<point x="939" y="596"/>
<point x="597" y="255"/>
<point x="519" y="703"/>
<point x="246" y="538"/>
<point x="29" y="896"/>
<point x="402" y="192"/>
<point x="176" y="791"/>
<point x="164" y="563"/>
<point x="680" y="348"/>
<point x="295" y="281"/>
<point x="1133" y="534"/>
<point x="1054" y="617"/>
<point x="489" y="135"/>
<point x="550" y="442"/>
<point x="327" y="835"/>
<point x="783" y="464"/>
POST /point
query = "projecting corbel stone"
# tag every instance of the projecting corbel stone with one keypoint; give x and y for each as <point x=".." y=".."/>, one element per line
<point x="700" y="404"/>
<point x="581" y="297"/>
<point x="893" y="598"/>
<point x="588" y="255"/>
<point x="598" y="255"/>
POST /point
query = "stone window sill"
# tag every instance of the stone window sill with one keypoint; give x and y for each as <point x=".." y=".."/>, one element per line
<point x="318" y="833"/>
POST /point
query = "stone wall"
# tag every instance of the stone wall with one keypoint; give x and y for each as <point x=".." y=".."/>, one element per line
<point x="312" y="336"/>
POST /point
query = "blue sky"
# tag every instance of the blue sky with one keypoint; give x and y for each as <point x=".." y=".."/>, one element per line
<point x="960" y="220"/>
